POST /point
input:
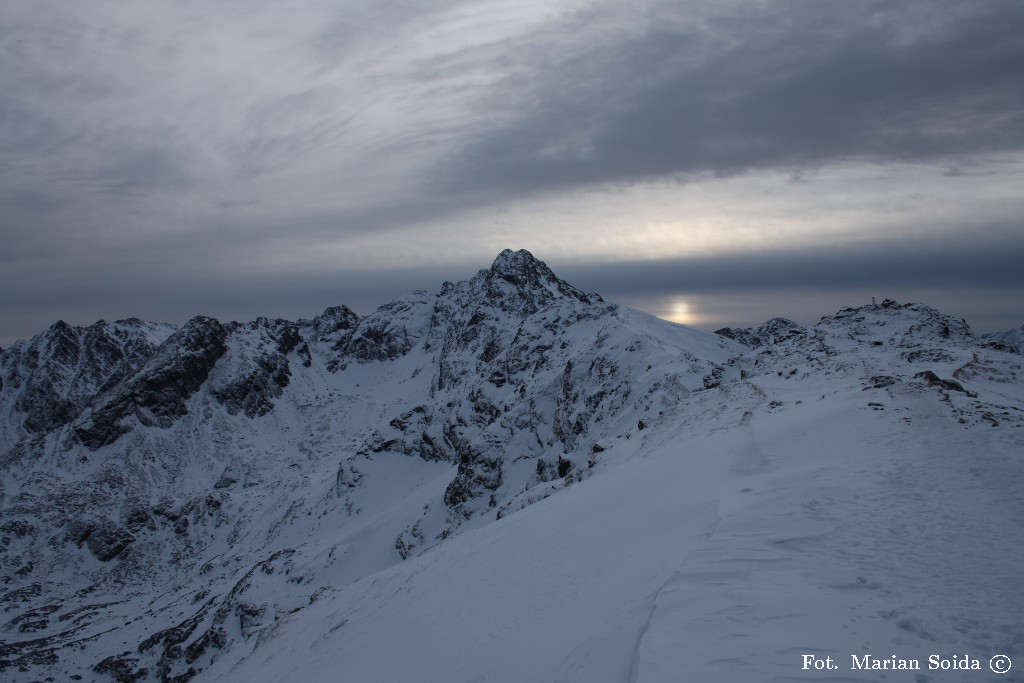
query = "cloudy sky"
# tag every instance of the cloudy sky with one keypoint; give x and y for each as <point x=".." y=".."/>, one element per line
<point x="711" y="162"/>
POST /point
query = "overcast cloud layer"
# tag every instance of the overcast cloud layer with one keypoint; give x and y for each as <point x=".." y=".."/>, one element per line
<point x="245" y="158"/>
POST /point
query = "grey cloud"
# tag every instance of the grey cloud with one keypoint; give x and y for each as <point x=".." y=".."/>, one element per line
<point x="49" y="142"/>
<point x="371" y="24"/>
<point x="23" y="130"/>
<point x="16" y="201"/>
<point x="783" y="84"/>
<point x="133" y="171"/>
<point x="279" y="131"/>
<point x="108" y="209"/>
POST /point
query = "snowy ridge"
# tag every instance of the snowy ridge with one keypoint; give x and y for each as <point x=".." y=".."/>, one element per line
<point x="512" y="466"/>
<point x="1012" y="341"/>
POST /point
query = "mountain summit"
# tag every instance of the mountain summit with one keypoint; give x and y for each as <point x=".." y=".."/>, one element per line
<point x="507" y="465"/>
<point x="527" y="273"/>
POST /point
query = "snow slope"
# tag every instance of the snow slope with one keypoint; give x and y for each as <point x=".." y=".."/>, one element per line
<point x="513" y="480"/>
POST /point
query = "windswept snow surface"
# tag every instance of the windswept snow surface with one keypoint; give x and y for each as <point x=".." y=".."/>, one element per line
<point x="785" y="514"/>
<point x="511" y="480"/>
<point x="775" y="518"/>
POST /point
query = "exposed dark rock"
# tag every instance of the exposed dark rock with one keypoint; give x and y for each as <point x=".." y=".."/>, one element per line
<point x="333" y="322"/>
<point x="215" y="637"/>
<point x="1011" y="341"/>
<point x="259" y="374"/>
<point x="228" y="478"/>
<point x="62" y="370"/>
<point x="378" y="341"/>
<point x="714" y="378"/>
<point x="22" y="594"/>
<point x="137" y="517"/>
<point x="934" y="380"/>
<point x="248" y="617"/>
<point x="408" y="540"/>
<point x="17" y="528"/>
<point x="564" y="466"/>
<point x="34" y="619"/>
<point x="122" y="668"/>
<point x="476" y="475"/>
<point x="158" y="394"/>
<point x="21" y="655"/>
<point x="384" y="335"/>
<point x="771" y="332"/>
<point x="535" y="284"/>
<point x="104" y="538"/>
<point x="928" y="355"/>
<point x="175" y="635"/>
<point x="109" y="540"/>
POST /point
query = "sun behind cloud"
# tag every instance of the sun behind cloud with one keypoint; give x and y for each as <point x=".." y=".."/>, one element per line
<point x="679" y="310"/>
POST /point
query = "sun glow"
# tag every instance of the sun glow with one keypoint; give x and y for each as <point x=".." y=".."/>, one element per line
<point x="679" y="311"/>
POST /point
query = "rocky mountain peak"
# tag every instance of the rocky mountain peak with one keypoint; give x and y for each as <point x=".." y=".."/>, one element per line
<point x="517" y="281"/>
<point x="904" y="325"/>
<point x="770" y="332"/>
<point x="331" y="321"/>
<point x="524" y="270"/>
<point x="519" y="265"/>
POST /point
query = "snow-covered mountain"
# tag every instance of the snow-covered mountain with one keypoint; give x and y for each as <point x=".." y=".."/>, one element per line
<point x="508" y="480"/>
<point x="1012" y="341"/>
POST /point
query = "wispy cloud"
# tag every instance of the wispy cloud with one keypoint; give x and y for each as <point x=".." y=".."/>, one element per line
<point x="756" y="87"/>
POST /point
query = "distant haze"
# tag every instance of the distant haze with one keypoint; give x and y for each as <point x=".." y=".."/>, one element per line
<point x="713" y="163"/>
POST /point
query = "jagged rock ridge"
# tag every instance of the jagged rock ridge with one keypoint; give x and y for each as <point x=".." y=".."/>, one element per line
<point x="771" y="332"/>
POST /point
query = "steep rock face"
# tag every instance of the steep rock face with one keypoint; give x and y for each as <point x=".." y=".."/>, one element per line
<point x="105" y="538"/>
<point x="48" y="380"/>
<point x="331" y="325"/>
<point x="519" y="283"/>
<point x="771" y="332"/>
<point x="158" y="393"/>
<point x="255" y="368"/>
<point x="388" y="333"/>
